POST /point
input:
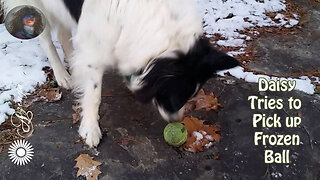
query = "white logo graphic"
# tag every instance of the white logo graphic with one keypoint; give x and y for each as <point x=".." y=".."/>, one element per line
<point x="20" y="152"/>
<point x="24" y="127"/>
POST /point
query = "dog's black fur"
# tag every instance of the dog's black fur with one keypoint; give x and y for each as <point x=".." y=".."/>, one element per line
<point x="74" y="7"/>
<point x="172" y="81"/>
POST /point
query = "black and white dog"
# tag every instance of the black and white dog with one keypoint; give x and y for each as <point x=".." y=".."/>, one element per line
<point x="156" y="44"/>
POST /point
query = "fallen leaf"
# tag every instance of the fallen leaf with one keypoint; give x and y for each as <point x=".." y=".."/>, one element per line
<point x="77" y="141"/>
<point x="299" y="114"/>
<point x="203" y="101"/>
<point x="87" y="167"/>
<point x="76" y="114"/>
<point x="50" y="95"/>
<point x="200" y="136"/>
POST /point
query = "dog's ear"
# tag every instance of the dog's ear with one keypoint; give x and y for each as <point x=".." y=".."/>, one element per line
<point x="220" y="61"/>
<point x="168" y="80"/>
<point x="207" y="61"/>
<point x="171" y="81"/>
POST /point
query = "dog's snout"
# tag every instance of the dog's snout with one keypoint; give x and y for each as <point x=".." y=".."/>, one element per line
<point x="171" y="116"/>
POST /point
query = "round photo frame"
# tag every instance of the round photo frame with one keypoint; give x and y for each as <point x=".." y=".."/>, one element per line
<point x="25" y="22"/>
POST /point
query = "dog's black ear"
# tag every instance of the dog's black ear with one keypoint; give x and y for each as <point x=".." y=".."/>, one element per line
<point x="170" y="81"/>
<point x="206" y="60"/>
<point x="220" y="61"/>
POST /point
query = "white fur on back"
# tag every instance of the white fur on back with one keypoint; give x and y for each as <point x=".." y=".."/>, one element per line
<point x="129" y="33"/>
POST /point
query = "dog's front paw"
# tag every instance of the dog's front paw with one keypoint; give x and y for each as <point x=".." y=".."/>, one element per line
<point x="63" y="78"/>
<point x="90" y="131"/>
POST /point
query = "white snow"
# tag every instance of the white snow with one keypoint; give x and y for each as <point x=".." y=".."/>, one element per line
<point x="293" y="22"/>
<point x="21" y="63"/>
<point x="89" y="171"/>
<point x="197" y="135"/>
<point x="279" y="16"/>
<point x="210" y="138"/>
<point x="207" y="146"/>
<point x="227" y="17"/>
<point x="200" y="137"/>
<point x="276" y="175"/>
<point x="303" y="84"/>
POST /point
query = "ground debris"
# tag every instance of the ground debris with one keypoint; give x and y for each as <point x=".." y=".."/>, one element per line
<point x="76" y="115"/>
<point x="203" y="101"/>
<point x="87" y="167"/>
<point x="200" y="136"/>
<point x="50" y="95"/>
<point x="47" y="92"/>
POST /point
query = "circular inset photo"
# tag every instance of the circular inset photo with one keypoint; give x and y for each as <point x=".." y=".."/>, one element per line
<point x="25" y="22"/>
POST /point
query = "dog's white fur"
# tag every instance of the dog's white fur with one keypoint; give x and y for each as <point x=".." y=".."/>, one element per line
<point x="58" y="18"/>
<point x="125" y="34"/>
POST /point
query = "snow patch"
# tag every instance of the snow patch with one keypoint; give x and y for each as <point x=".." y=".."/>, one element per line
<point x="228" y="17"/>
<point x="303" y="84"/>
<point x="21" y="64"/>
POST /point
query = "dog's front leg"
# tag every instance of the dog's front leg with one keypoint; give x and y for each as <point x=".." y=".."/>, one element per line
<point x="62" y="76"/>
<point x="87" y="79"/>
<point x="64" y="36"/>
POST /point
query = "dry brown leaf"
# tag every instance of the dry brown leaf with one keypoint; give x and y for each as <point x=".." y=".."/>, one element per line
<point x="76" y="114"/>
<point x="200" y="136"/>
<point x="50" y="95"/>
<point x="203" y="101"/>
<point x="299" y="114"/>
<point x="77" y="141"/>
<point x="87" y="167"/>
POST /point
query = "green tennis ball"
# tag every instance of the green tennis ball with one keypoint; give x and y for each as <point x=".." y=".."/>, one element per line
<point x="175" y="134"/>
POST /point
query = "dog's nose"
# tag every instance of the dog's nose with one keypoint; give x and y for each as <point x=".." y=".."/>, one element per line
<point x="169" y="116"/>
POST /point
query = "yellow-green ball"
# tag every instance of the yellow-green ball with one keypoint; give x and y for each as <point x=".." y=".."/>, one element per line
<point x="175" y="134"/>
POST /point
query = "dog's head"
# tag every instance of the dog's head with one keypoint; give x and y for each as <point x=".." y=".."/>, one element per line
<point x="171" y="81"/>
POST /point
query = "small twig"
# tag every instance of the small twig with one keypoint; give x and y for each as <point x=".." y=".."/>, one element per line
<point x="107" y="95"/>
<point x="267" y="172"/>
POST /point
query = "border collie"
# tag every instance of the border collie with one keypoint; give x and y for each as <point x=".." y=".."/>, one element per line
<point x="156" y="44"/>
